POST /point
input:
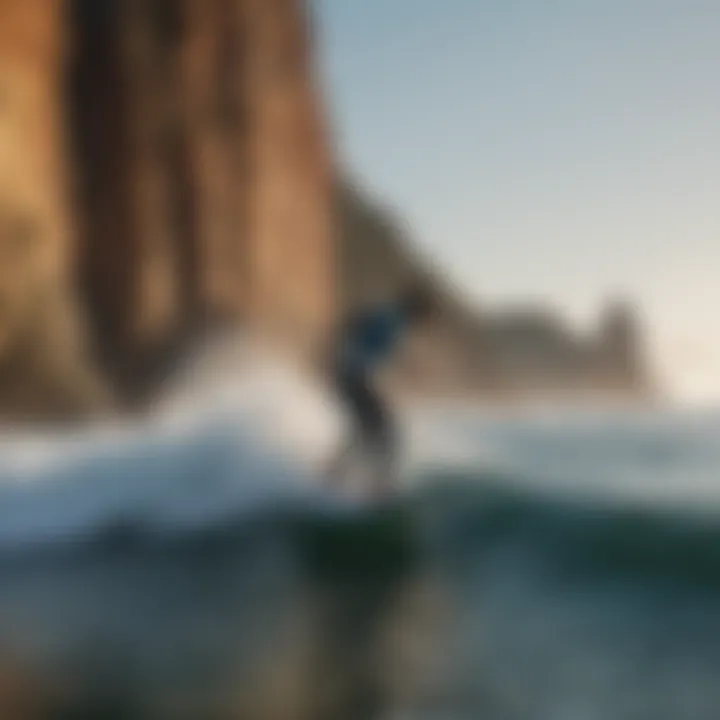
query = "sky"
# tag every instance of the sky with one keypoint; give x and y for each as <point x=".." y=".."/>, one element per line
<point x="560" y="152"/>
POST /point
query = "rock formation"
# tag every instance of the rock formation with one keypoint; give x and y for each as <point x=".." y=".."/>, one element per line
<point x="161" y="161"/>
<point x="43" y="367"/>
<point x="202" y="171"/>
<point x="475" y="352"/>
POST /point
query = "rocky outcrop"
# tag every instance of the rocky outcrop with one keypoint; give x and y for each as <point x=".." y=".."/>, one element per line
<point x="43" y="366"/>
<point x="479" y="352"/>
<point x="161" y="162"/>
<point x="202" y="171"/>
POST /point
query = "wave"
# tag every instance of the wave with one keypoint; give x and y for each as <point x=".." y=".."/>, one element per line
<point x="236" y="431"/>
<point x="576" y="538"/>
<point x="240" y="434"/>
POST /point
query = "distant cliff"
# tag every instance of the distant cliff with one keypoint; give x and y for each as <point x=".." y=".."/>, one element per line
<point x="483" y="352"/>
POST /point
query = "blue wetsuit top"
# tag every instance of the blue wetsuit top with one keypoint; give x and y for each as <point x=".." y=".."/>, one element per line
<point x="370" y="338"/>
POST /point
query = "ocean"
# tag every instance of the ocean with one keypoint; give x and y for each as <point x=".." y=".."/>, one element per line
<point x="544" y="564"/>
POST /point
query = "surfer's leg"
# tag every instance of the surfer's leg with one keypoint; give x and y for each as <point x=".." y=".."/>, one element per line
<point x="380" y="441"/>
<point x="385" y="477"/>
<point x="350" y="391"/>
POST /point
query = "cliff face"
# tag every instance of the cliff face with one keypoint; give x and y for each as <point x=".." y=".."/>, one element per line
<point x="43" y="368"/>
<point x="202" y="170"/>
<point x="161" y="161"/>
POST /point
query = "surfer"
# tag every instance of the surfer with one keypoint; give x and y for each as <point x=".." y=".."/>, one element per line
<point x="364" y="341"/>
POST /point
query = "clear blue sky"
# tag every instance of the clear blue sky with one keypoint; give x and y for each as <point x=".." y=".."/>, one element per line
<point x="557" y="151"/>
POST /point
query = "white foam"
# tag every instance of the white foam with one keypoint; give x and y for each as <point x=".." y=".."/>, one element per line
<point x="238" y="429"/>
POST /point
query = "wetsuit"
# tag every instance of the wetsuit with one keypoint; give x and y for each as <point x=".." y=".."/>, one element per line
<point x="364" y="342"/>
